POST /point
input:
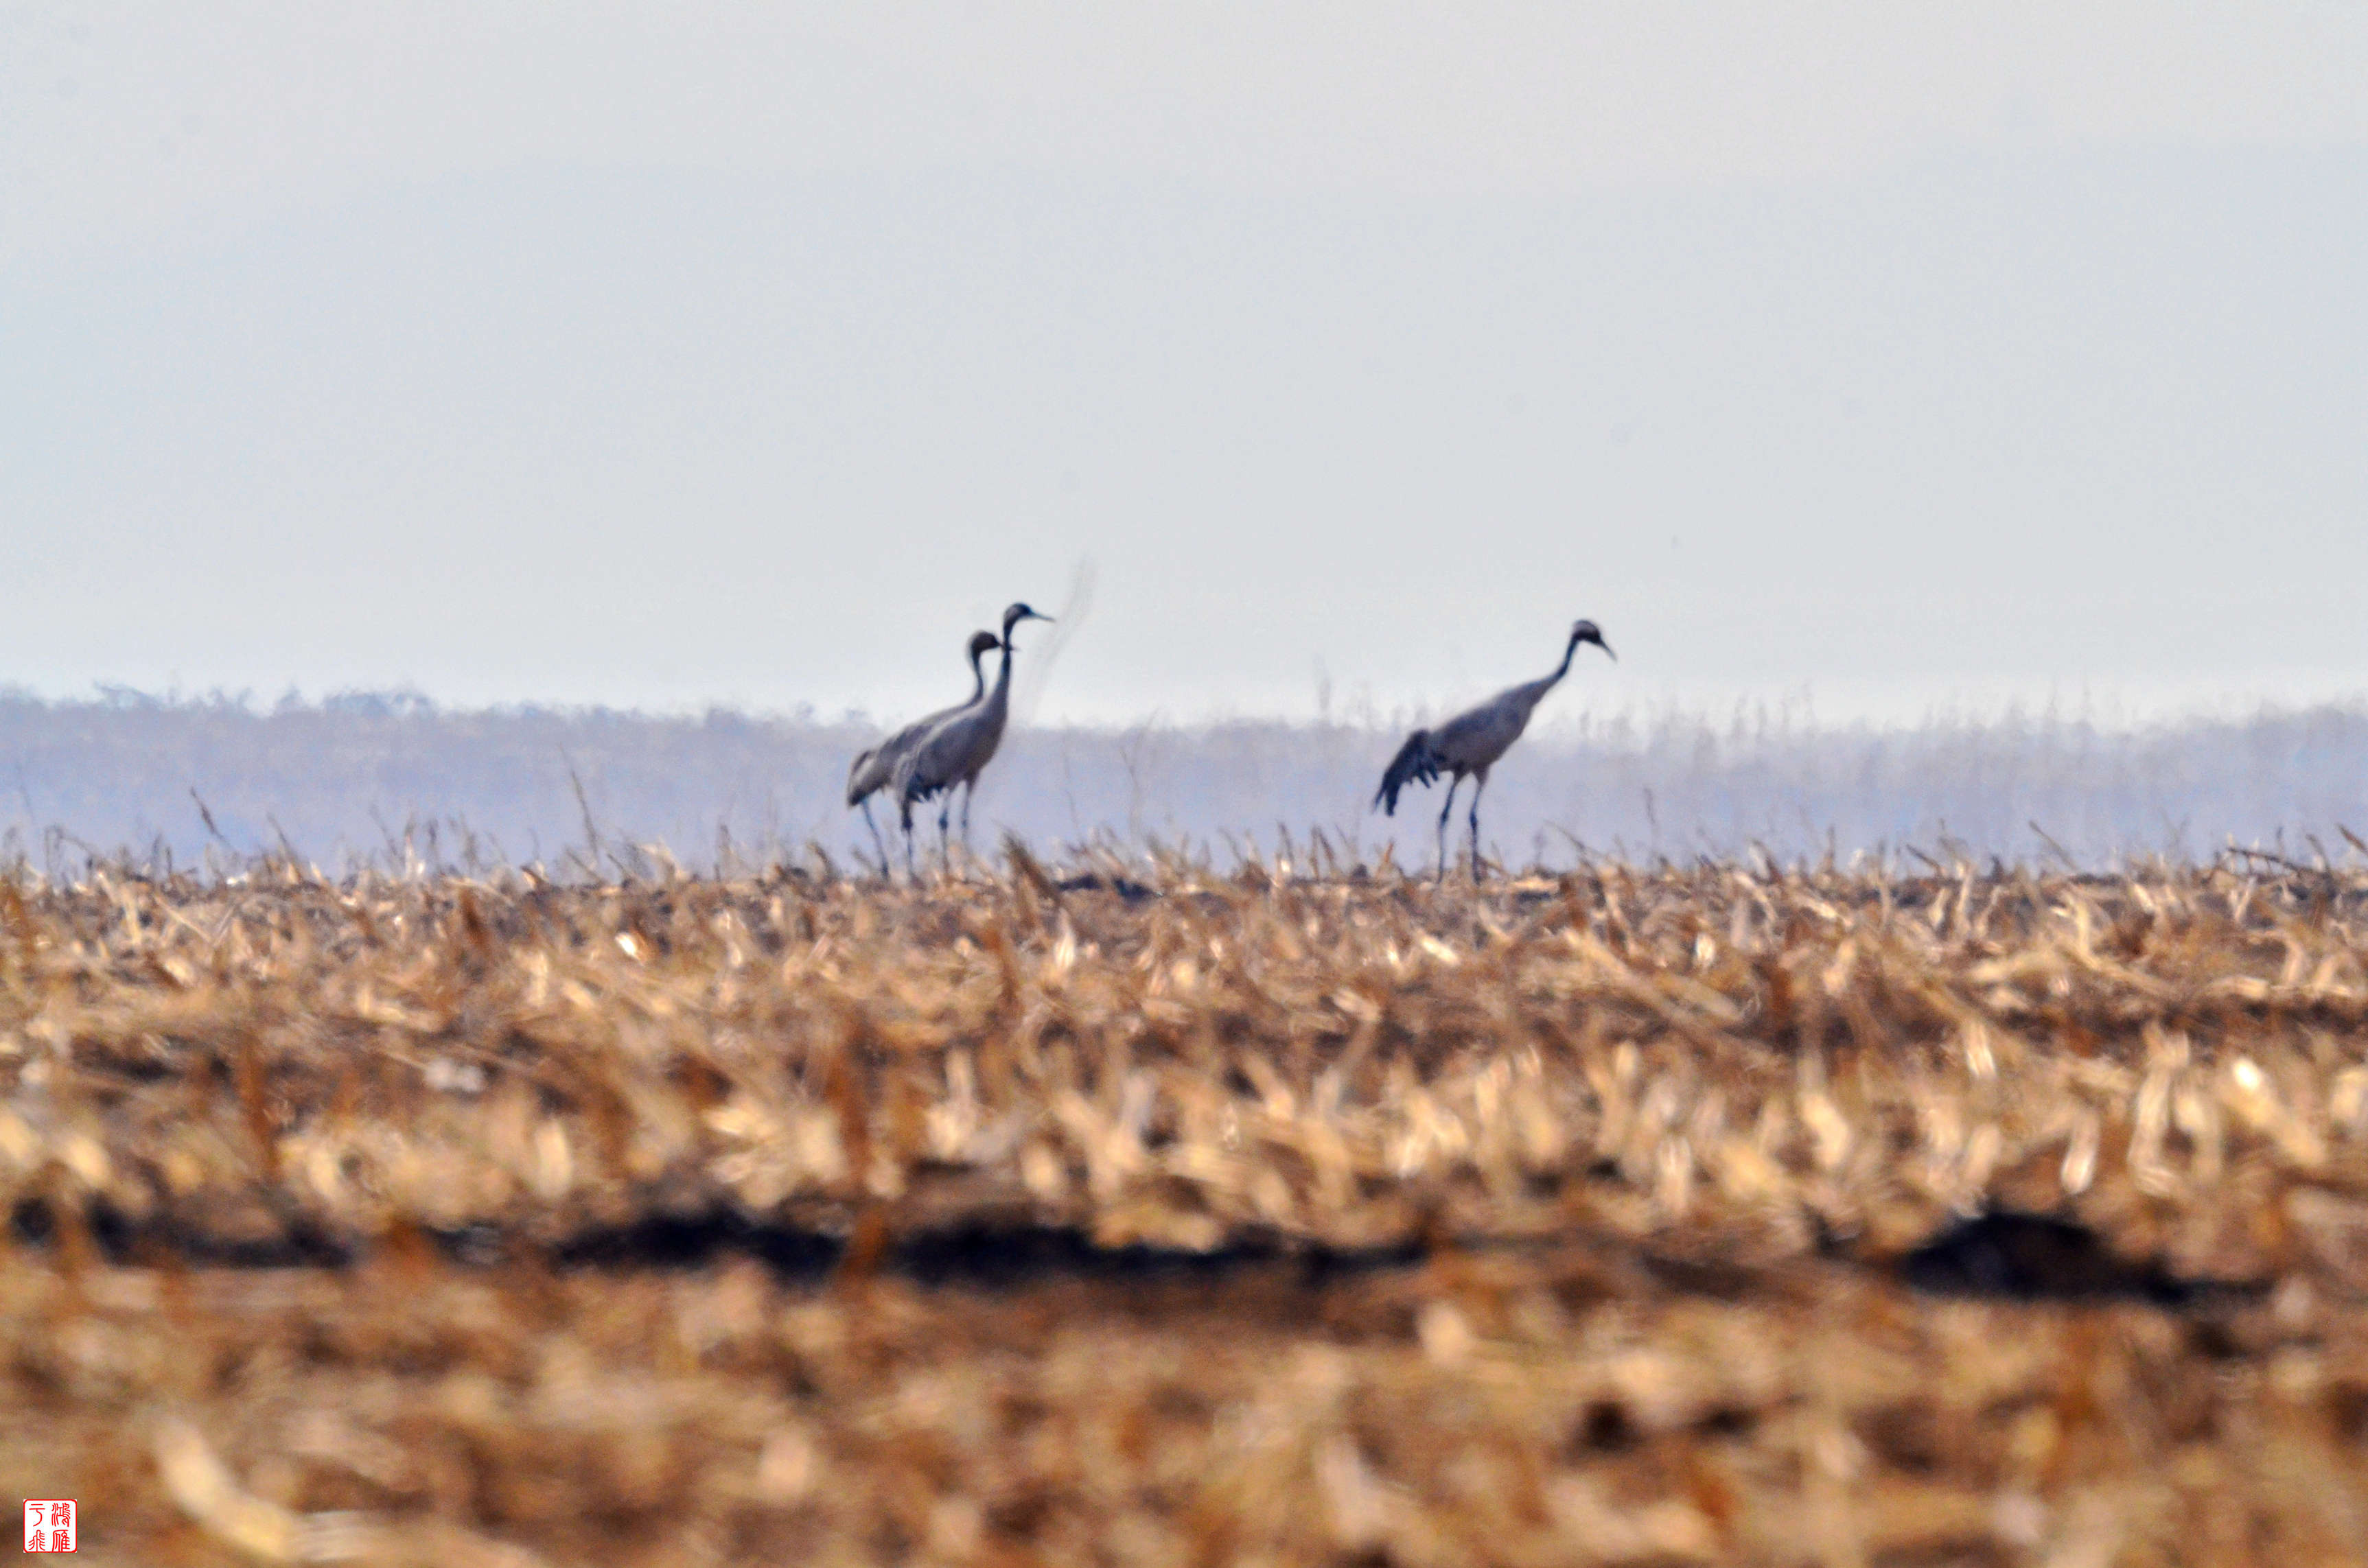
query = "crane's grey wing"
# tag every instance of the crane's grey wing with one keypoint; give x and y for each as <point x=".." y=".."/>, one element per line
<point x="927" y="765"/>
<point x="1417" y="763"/>
<point x="901" y="776"/>
<point x="1475" y="739"/>
<point x="887" y="760"/>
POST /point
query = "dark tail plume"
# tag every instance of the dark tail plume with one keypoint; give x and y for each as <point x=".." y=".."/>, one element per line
<point x="1414" y="764"/>
<point x="860" y="780"/>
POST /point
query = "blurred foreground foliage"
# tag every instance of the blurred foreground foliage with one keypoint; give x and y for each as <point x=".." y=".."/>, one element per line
<point x="1715" y="1214"/>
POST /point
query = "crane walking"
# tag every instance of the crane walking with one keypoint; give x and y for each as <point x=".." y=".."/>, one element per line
<point x="875" y="766"/>
<point x="957" y="749"/>
<point x="1472" y="741"/>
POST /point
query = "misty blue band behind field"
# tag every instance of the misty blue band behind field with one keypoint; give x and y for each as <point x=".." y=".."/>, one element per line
<point x="348" y="779"/>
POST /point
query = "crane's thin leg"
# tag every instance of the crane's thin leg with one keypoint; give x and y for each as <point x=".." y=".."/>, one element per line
<point x="1479" y="782"/>
<point x="1454" y="783"/>
<point x="969" y="785"/>
<point x="945" y="849"/>
<point x="877" y="842"/>
<point x="905" y="815"/>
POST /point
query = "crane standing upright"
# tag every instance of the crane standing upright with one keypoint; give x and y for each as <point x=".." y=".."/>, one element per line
<point x="957" y="749"/>
<point x="875" y="766"/>
<point x="1472" y="741"/>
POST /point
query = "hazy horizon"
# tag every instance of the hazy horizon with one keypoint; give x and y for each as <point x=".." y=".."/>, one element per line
<point x="1569" y="712"/>
<point x="354" y="779"/>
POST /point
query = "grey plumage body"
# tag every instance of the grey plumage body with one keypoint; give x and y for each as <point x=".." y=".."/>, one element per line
<point x="874" y="766"/>
<point x="958" y="747"/>
<point x="1472" y="741"/>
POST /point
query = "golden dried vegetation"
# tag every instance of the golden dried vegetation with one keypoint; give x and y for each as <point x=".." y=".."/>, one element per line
<point x="1713" y="1214"/>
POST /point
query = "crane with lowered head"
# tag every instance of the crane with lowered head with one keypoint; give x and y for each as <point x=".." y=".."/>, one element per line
<point x="875" y="766"/>
<point x="958" y="748"/>
<point x="1472" y="741"/>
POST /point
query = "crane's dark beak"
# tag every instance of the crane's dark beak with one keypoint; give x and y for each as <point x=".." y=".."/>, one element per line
<point x="1607" y="648"/>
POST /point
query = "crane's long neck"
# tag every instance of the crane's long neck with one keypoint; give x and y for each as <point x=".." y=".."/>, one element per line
<point x="1534" y="693"/>
<point x="998" y="701"/>
<point x="977" y="676"/>
<point x="1569" y="651"/>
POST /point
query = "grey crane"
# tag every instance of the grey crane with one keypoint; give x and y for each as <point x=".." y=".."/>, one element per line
<point x="875" y="766"/>
<point x="1472" y="741"/>
<point x="958" y="747"/>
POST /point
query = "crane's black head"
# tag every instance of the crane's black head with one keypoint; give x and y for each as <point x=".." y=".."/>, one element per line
<point x="1586" y="631"/>
<point x="982" y="644"/>
<point x="1014" y="616"/>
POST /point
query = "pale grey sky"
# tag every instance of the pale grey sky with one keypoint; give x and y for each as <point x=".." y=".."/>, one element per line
<point x="1898" y="355"/>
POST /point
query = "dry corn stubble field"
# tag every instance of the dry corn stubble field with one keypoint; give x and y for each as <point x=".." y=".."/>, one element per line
<point x="1715" y="1214"/>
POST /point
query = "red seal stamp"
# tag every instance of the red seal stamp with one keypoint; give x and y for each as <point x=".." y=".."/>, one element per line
<point x="49" y="1523"/>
